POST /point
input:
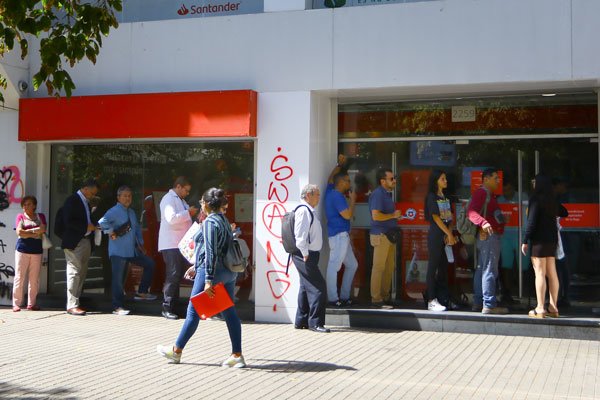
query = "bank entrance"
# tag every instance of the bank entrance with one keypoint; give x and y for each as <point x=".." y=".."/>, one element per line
<point x="521" y="136"/>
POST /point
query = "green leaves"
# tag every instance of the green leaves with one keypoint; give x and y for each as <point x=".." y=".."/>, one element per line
<point x="71" y="31"/>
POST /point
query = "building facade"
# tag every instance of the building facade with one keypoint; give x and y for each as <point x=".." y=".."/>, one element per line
<point x="458" y="85"/>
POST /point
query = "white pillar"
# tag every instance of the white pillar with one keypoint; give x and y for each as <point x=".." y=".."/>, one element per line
<point x="12" y="178"/>
<point x="296" y="146"/>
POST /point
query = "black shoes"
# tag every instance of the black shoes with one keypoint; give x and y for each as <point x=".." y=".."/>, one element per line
<point x="169" y="315"/>
<point x="301" y="326"/>
<point x="320" y="329"/>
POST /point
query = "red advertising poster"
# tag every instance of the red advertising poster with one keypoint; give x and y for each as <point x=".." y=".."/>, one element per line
<point x="413" y="214"/>
<point x="414" y="261"/>
<point x="477" y="181"/>
<point x="511" y="213"/>
<point x="581" y="215"/>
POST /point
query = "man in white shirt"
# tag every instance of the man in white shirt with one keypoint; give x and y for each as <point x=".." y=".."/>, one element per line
<point x="312" y="296"/>
<point x="176" y="217"/>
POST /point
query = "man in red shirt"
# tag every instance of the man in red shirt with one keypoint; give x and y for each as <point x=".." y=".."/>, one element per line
<point x="486" y="214"/>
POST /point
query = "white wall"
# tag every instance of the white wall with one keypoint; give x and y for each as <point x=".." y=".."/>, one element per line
<point x="12" y="178"/>
<point x="294" y="148"/>
<point x="419" y="45"/>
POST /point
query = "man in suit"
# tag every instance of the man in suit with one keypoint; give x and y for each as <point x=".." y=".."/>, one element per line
<point x="77" y="241"/>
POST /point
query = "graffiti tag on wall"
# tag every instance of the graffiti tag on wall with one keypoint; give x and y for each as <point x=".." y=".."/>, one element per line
<point x="272" y="214"/>
<point x="11" y="192"/>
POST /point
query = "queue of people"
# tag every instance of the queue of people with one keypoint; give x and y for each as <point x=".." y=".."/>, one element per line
<point x="76" y="225"/>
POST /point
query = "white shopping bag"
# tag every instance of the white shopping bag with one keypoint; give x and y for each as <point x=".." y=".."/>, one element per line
<point x="186" y="244"/>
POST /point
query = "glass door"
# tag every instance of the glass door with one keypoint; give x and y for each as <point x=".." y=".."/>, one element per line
<point x="572" y="163"/>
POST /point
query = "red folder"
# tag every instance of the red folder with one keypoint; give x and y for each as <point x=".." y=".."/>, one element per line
<point x="207" y="307"/>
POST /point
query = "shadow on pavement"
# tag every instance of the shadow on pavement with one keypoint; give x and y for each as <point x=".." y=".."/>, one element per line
<point x="296" y="366"/>
<point x="9" y="391"/>
<point x="285" y="366"/>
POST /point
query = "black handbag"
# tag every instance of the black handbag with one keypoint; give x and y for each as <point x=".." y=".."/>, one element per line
<point x="393" y="235"/>
<point x="125" y="228"/>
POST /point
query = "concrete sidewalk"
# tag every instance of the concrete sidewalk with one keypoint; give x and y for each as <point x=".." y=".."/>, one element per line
<point x="50" y="354"/>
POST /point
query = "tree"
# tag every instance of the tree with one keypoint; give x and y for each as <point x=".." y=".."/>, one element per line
<point x="70" y="30"/>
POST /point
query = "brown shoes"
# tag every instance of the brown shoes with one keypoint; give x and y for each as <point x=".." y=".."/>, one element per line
<point x="76" y="311"/>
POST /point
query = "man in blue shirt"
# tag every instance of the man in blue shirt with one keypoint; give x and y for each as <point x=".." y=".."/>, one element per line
<point x="384" y="218"/>
<point x="339" y="213"/>
<point x="126" y="245"/>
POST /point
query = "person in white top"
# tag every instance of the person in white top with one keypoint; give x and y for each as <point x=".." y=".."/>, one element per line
<point x="176" y="217"/>
<point x="312" y="296"/>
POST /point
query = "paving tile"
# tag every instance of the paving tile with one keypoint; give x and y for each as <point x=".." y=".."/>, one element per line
<point x="102" y="356"/>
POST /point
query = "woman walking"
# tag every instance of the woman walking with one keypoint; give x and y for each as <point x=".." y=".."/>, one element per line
<point x="211" y="242"/>
<point x="439" y="214"/>
<point x="30" y="227"/>
<point x="542" y="234"/>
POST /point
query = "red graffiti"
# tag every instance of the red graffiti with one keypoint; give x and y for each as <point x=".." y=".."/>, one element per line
<point x="271" y="216"/>
<point x="278" y="282"/>
<point x="278" y="170"/>
<point x="272" y="213"/>
<point x="273" y="192"/>
<point x="270" y="255"/>
<point x="10" y="181"/>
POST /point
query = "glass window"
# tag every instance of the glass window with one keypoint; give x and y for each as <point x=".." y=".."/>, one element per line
<point x="149" y="169"/>
<point x="512" y="115"/>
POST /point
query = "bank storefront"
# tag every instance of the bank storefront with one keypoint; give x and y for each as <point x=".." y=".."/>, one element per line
<point x="144" y="142"/>
<point x="521" y="135"/>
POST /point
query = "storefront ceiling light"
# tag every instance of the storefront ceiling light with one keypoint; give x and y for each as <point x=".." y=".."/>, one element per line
<point x="548" y="94"/>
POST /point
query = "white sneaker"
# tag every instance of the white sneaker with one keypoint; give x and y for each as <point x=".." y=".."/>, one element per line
<point x="168" y="353"/>
<point x="434" y="305"/>
<point x="144" y="296"/>
<point x="234" y="362"/>
<point x="120" y="311"/>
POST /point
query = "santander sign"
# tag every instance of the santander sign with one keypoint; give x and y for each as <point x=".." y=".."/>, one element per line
<point x="208" y="8"/>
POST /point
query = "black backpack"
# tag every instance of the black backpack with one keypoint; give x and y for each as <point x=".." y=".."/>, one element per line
<point x="288" y="238"/>
<point x="59" y="223"/>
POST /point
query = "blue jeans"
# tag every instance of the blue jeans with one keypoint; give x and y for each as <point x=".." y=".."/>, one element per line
<point x="234" y="325"/>
<point x="119" y="267"/>
<point x="486" y="273"/>
<point x="341" y="252"/>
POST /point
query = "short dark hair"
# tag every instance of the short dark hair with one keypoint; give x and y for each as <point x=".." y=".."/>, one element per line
<point x="339" y="176"/>
<point x="181" y="181"/>
<point x="90" y="183"/>
<point x="489" y="172"/>
<point x="381" y="173"/>
<point x="28" y="198"/>
<point x="215" y="198"/>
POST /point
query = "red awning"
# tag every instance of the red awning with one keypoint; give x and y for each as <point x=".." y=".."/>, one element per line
<point x="140" y="116"/>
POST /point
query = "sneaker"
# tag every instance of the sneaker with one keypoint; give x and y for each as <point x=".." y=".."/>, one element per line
<point x="120" y="311"/>
<point x="234" y="362"/>
<point x="336" y="304"/>
<point x="168" y="353"/>
<point x="347" y="303"/>
<point x="434" y="305"/>
<point x="452" y="306"/>
<point x="144" y="296"/>
<point x="16" y="309"/>
<point x="494" y="310"/>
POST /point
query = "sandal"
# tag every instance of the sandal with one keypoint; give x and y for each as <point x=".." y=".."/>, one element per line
<point x="552" y="314"/>
<point x="534" y="314"/>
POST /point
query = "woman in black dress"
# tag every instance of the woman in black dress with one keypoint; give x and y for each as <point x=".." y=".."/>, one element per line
<point x="542" y="234"/>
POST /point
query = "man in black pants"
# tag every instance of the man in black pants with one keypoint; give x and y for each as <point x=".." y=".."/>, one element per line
<point x="312" y="296"/>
